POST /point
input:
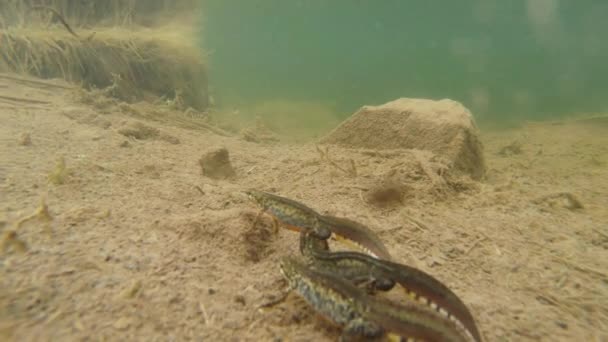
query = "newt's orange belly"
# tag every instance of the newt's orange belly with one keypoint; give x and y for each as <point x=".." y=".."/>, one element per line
<point x="290" y="227"/>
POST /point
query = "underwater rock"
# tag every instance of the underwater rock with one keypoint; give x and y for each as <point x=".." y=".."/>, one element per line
<point x="443" y="127"/>
<point x="216" y="164"/>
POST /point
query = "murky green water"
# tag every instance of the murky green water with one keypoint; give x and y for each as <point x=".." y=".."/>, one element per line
<point x="505" y="60"/>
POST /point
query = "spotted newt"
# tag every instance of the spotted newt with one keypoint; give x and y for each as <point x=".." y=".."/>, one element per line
<point x="365" y="316"/>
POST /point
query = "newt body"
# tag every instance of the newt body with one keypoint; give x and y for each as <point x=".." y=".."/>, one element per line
<point x="383" y="274"/>
<point x="292" y="214"/>
<point x="366" y="316"/>
<point x="298" y="217"/>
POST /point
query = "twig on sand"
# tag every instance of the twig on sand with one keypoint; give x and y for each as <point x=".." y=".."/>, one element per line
<point x="571" y="202"/>
<point x="41" y="214"/>
<point x="24" y="100"/>
<point x="57" y="15"/>
<point x="599" y="232"/>
<point x="9" y="238"/>
<point x="434" y="177"/>
<point x="585" y="269"/>
<point x="275" y="301"/>
<point x="256" y="219"/>
<point x="418" y="223"/>
<point x="324" y="155"/>
<point x="33" y="82"/>
<point x="208" y="319"/>
<point x="475" y="244"/>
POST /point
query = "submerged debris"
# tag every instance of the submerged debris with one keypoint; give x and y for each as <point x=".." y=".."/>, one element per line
<point x="259" y="133"/>
<point x="141" y="131"/>
<point x="216" y="164"/>
<point x="351" y="170"/>
<point x="563" y="199"/>
<point x="389" y="192"/>
<point x="25" y="139"/>
<point x="41" y="214"/>
<point x="132" y="291"/>
<point x="512" y="149"/>
<point x="59" y="174"/>
<point x="10" y="239"/>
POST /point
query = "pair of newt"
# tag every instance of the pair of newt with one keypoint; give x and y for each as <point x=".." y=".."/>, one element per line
<point x="330" y="281"/>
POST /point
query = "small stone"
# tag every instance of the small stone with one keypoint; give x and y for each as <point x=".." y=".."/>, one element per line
<point x="444" y="127"/>
<point x="131" y="291"/>
<point x="25" y="139"/>
<point x="79" y="326"/>
<point x="240" y="299"/>
<point x="140" y="131"/>
<point x="216" y="164"/>
<point x="123" y="323"/>
<point x="175" y="299"/>
<point x="170" y="139"/>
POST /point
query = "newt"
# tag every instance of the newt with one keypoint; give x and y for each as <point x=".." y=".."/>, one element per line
<point x="293" y="215"/>
<point x="298" y="217"/>
<point x="384" y="274"/>
<point x="365" y="316"/>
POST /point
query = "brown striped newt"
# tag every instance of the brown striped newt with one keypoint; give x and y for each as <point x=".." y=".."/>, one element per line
<point x="365" y="316"/>
<point x="297" y="216"/>
<point x="291" y="214"/>
<point x="383" y="275"/>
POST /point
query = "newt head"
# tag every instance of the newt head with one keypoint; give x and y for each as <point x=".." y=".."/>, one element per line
<point x="255" y="196"/>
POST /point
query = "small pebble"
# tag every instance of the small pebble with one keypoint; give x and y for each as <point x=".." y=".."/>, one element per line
<point x="240" y="299"/>
<point x="25" y="139"/>
<point x="123" y="323"/>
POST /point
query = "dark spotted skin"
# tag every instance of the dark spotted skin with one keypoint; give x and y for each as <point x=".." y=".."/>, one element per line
<point x="383" y="275"/>
<point x="298" y="217"/>
<point x="365" y="316"/>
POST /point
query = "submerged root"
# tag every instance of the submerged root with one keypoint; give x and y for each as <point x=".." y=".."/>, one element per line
<point x="10" y="239"/>
<point x="564" y="199"/>
<point x="59" y="175"/>
<point x="324" y="155"/>
<point x="41" y="214"/>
